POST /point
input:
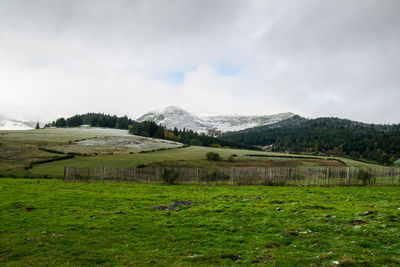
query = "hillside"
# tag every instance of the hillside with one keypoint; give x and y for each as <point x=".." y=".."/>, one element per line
<point x="13" y="124"/>
<point x="380" y="143"/>
<point x="23" y="149"/>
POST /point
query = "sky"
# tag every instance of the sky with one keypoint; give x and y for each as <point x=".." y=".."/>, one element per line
<point x="314" y="58"/>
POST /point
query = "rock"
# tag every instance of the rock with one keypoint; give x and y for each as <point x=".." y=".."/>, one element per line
<point x="174" y="206"/>
<point x="58" y="235"/>
<point x="358" y="221"/>
<point x="291" y="234"/>
<point x="273" y="245"/>
<point x="121" y="212"/>
<point x="30" y="208"/>
<point x="275" y="202"/>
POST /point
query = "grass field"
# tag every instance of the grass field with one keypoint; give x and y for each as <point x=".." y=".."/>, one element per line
<point x="114" y="148"/>
<point x="191" y="157"/>
<point x="18" y="149"/>
<point x="50" y="222"/>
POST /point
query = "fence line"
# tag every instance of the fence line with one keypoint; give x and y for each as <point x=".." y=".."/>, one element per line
<point x="239" y="175"/>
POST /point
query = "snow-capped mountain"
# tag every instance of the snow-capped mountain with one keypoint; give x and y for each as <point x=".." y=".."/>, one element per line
<point x="12" y="124"/>
<point x="173" y="117"/>
<point x="176" y="117"/>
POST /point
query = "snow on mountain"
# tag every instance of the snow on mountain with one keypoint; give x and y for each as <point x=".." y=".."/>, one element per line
<point x="176" y="117"/>
<point x="12" y="124"/>
<point x="173" y="117"/>
<point x="237" y="123"/>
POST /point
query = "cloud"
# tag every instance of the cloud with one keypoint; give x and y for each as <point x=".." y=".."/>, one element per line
<point x="315" y="58"/>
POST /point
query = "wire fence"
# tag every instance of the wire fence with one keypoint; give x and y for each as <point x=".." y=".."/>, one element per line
<point x="328" y="176"/>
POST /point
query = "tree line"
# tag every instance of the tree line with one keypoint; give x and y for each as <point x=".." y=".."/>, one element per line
<point x="189" y="137"/>
<point x="333" y="136"/>
<point x="95" y="120"/>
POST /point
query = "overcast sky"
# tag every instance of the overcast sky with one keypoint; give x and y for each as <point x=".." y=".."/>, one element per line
<point x="314" y="58"/>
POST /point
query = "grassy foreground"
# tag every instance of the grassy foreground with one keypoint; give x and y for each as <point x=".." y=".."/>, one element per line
<point x="50" y="222"/>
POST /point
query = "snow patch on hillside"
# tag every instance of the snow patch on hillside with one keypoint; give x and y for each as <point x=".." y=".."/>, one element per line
<point x="14" y="125"/>
<point x="173" y="117"/>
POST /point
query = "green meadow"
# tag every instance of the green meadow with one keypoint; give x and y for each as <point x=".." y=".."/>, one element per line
<point x="56" y="223"/>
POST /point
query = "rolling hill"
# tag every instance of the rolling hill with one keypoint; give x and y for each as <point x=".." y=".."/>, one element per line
<point x="341" y="137"/>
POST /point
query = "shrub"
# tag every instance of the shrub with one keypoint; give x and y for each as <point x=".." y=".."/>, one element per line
<point x="231" y="159"/>
<point x="364" y="176"/>
<point x="169" y="176"/>
<point x="212" y="156"/>
<point x="269" y="182"/>
<point x="216" y="176"/>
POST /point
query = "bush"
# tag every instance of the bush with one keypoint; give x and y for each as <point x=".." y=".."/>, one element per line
<point x="169" y="176"/>
<point x="364" y="176"/>
<point x="231" y="159"/>
<point x="268" y="182"/>
<point x="216" y="176"/>
<point x="212" y="156"/>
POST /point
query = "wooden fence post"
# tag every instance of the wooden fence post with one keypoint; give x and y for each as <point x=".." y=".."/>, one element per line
<point x="327" y="176"/>
<point x="308" y="176"/>
<point x="391" y="176"/>
<point x="102" y="174"/>
<point x="65" y="172"/>
<point x="348" y="176"/>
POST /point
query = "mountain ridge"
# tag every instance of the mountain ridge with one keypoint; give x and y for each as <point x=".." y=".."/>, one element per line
<point x="172" y="117"/>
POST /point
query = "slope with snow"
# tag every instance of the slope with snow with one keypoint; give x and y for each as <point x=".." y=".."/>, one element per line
<point x="173" y="117"/>
<point x="176" y="117"/>
<point x="12" y="124"/>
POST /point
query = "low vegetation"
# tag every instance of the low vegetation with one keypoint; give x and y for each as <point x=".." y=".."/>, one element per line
<point x="50" y="222"/>
<point x="170" y="176"/>
<point x="212" y="156"/>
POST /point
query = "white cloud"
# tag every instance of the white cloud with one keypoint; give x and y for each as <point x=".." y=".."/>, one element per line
<point x="315" y="58"/>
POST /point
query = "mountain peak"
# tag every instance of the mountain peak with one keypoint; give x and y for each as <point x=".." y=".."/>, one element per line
<point x="173" y="116"/>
